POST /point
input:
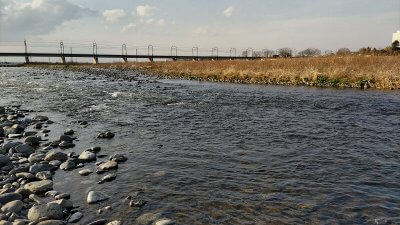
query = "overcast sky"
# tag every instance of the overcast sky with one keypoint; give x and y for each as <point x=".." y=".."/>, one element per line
<point x="324" y="24"/>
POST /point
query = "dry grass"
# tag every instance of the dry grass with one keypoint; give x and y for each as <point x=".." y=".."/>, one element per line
<point x="349" y="71"/>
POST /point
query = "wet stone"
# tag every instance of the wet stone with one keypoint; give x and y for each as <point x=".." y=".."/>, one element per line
<point x="85" y="172"/>
<point x="106" y="135"/>
<point x="39" y="186"/>
<point x="107" y="178"/>
<point x="96" y="196"/>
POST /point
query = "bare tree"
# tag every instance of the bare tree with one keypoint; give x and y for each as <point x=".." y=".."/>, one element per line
<point x="285" y="52"/>
<point x="343" y="51"/>
<point x="310" y="52"/>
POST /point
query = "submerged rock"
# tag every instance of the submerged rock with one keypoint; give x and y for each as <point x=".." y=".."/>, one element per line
<point x="108" y="178"/>
<point x="118" y="158"/>
<point x="96" y="196"/>
<point x="106" y="135"/>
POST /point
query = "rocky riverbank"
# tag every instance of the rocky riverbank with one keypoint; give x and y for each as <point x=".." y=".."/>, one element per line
<point x="28" y="162"/>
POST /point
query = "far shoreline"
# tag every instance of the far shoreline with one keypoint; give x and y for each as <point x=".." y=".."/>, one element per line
<point x="360" y="71"/>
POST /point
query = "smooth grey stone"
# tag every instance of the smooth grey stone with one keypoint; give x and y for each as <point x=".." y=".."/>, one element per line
<point x="4" y="160"/>
<point x="39" y="187"/>
<point x="29" y="133"/>
<point x="69" y="132"/>
<point x="62" y="196"/>
<point x="36" y="157"/>
<point x="109" y="165"/>
<point x="24" y="149"/>
<point x="87" y="156"/>
<point x="13" y="206"/>
<point x="55" y="163"/>
<point x="33" y="140"/>
<point x="49" y="210"/>
<point x="14" y="135"/>
<point x="118" y="158"/>
<point x="51" y="222"/>
<point x="164" y="221"/>
<point x="65" y="144"/>
<point x="106" y="135"/>
<point x="7" y="146"/>
<point x="75" y="217"/>
<point x="108" y="178"/>
<point x="44" y="175"/>
<point x="56" y="155"/>
<point x="66" y="138"/>
<point x="8" y="197"/>
<point x="96" y="196"/>
<point x="115" y="222"/>
<point x="40" y="167"/>
<point x="25" y="175"/>
<point x="68" y="165"/>
<point x="85" y="172"/>
<point x="40" y="118"/>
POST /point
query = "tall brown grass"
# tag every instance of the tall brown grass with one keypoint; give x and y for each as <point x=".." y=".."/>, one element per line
<point x="348" y="71"/>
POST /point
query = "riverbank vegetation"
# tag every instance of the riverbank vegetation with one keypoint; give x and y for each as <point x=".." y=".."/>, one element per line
<point x="354" y="71"/>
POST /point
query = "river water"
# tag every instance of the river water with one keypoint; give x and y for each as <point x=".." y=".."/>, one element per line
<point x="210" y="153"/>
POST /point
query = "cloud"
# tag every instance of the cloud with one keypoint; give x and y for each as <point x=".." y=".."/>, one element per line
<point x="161" y="22"/>
<point x="229" y="11"/>
<point x="200" y="31"/>
<point x="21" y="19"/>
<point x="112" y="15"/>
<point x="145" y="10"/>
<point x="128" y="27"/>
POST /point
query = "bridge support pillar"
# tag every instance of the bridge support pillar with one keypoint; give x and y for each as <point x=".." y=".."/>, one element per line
<point x="63" y="60"/>
<point x="95" y="60"/>
<point x="151" y="59"/>
<point x="125" y="59"/>
<point x="26" y="59"/>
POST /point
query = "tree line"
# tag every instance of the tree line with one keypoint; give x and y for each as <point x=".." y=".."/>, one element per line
<point x="394" y="49"/>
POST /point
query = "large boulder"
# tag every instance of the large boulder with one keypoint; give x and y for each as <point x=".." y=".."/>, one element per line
<point x="49" y="211"/>
<point x="56" y="155"/>
<point x="39" y="187"/>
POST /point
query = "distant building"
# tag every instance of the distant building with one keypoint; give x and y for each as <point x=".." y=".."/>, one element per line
<point x="396" y="37"/>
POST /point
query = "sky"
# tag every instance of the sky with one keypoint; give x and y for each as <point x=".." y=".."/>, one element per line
<point x="257" y="24"/>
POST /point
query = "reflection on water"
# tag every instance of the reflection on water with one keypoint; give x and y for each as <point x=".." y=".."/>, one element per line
<point x="204" y="153"/>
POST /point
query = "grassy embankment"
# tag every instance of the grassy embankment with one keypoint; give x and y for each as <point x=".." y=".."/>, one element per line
<point x="381" y="72"/>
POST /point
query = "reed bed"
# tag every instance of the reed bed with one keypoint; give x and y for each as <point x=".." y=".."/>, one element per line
<point x="360" y="71"/>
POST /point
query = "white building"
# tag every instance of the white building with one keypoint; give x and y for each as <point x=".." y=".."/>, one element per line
<point x="396" y="36"/>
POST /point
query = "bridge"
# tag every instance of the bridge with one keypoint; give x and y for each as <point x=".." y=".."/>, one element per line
<point x="194" y="56"/>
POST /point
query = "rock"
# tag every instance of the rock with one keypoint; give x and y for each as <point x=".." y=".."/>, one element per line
<point x="75" y="217"/>
<point x="62" y="196"/>
<point x="29" y="133"/>
<point x="137" y="203"/>
<point x="40" y="118"/>
<point x="148" y="218"/>
<point x="25" y="175"/>
<point x="98" y="222"/>
<point x="40" y="167"/>
<point x="54" y="144"/>
<point x="5" y="222"/>
<point x="13" y="207"/>
<point x="68" y="165"/>
<point x="22" y="191"/>
<point x="44" y="175"/>
<point x="52" y="222"/>
<point x="8" y="197"/>
<point x="33" y="140"/>
<point x="7" y="146"/>
<point x="56" y="155"/>
<point x="51" y="194"/>
<point x="106" y="135"/>
<point x="66" y="144"/>
<point x="164" y="222"/>
<point x="87" y="156"/>
<point x="37" y="199"/>
<point x="118" y="158"/>
<point x="85" y="172"/>
<point x="2" y="110"/>
<point x="55" y="163"/>
<point x="38" y="126"/>
<point x="45" y="131"/>
<point x="69" y="132"/>
<point x="39" y="186"/>
<point x="66" y="138"/>
<point x="24" y="149"/>
<point x="49" y="210"/>
<point x="67" y="204"/>
<point x="115" y="222"/>
<point x="4" y="160"/>
<point x="108" y="178"/>
<point x="14" y="136"/>
<point x="36" y="157"/>
<point x="109" y="165"/>
<point x="19" y="169"/>
<point x="94" y="149"/>
<point x="96" y="196"/>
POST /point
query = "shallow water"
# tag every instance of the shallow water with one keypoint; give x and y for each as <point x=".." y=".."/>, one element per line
<point x="207" y="153"/>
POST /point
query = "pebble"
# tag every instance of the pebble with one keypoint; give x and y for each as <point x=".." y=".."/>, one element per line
<point x="69" y="132"/>
<point x="109" y="165"/>
<point x="106" y="135"/>
<point x="68" y="165"/>
<point x="107" y="178"/>
<point x="115" y="222"/>
<point x="13" y="206"/>
<point x="87" y="156"/>
<point x="85" y="172"/>
<point x="56" y="155"/>
<point x="44" y="175"/>
<point x="39" y="186"/>
<point x="49" y="210"/>
<point x="75" y="217"/>
<point x="118" y="158"/>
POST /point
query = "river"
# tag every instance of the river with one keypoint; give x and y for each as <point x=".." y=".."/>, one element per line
<point x="212" y="153"/>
